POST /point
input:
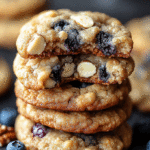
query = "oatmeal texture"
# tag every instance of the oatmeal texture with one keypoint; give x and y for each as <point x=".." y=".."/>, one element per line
<point x="64" y="32"/>
<point x="51" y="72"/>
<point x="71" y="98"/>
<point x="78" y="122"/>
<point x="55" y="139"/>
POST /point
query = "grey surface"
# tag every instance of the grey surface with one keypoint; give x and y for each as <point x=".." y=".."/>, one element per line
<point x="124" y="10"/>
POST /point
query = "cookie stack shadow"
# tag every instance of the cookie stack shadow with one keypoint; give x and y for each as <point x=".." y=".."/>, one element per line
<point x="72" y="82"/>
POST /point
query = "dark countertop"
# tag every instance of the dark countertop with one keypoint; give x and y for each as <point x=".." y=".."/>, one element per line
<point x="120" y="9"/>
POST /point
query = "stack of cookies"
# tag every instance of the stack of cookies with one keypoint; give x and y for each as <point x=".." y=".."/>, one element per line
<point x="72" y="87"/>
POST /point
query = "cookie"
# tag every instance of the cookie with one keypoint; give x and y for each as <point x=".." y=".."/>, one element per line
<point x="55" y="139"/>
<point x="5" y="76"/>
<point x="7" y="134"/>
<point x="9" y="31"/>
<point x="140" y="82"/>
<point x="15" y="8"/>
<point x="64" y="32"/>
<point x="75" y="96"/>
<point x="140" y="28"/>
<point x="51" y="72"/>
<point x="78" y="122"/>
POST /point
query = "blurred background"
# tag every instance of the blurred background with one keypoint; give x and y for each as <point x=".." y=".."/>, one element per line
<point x="126" y="11"/>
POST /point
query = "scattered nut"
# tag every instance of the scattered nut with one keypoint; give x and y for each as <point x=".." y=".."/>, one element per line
<point x="68" y="70"/>
<point x="7" y="134"/>
<point x="93" y="31"/>
<point x="86" y="69"/>
<point x="62" y="35"/>
<point x="43" y="73"/>
<point x="48" y="14"/>
<point x="84" y="21"/>
<point x="50" y="83"/>
<point x="86" y="99"/>
<point x="51" y="14"/>
<point x="37" y="45"/>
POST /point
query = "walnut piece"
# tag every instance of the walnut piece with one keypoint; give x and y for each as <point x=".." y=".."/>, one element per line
<point x="86" y="69"/>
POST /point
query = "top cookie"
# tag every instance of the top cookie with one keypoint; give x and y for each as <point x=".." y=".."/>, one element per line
<point x="64" y="32"/>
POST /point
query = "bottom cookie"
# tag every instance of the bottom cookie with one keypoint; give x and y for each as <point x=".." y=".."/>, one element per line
<point x="29" y="133"/>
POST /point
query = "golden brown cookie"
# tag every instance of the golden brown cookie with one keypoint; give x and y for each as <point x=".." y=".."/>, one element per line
<point x="63" y="32"/>
<point x="51" y="72"/>
<point x="55" y="139"/>
<point x="140" y="79"/>
<point x="78" y="122"/>
<point x="140" y="82"/>
<point x="15" y="8"/>
<point x="9" y="31"/>
<point x="116" y="140"/>
<point x="75" y="96"/>
<point x="140" y="29"/>
<point x="5" y="76"/>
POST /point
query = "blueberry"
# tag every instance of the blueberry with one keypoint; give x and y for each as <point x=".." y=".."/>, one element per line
<point x="56" y="72"/>
<point x="84" y="85"/>
<point x="148" y="146"/>
<point x="8" y="116"/>
<point x="60" y="25"/>
<point x="15" y="145"/>
<point x="104" y="43"/>
<point x="39" y="130"/>
<point x="103" y="74"/>
<point x="72" y="43"/>
<point x="89" y="139"/>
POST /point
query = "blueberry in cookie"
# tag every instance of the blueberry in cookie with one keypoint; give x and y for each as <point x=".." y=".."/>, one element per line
<point x="8" y="116"/>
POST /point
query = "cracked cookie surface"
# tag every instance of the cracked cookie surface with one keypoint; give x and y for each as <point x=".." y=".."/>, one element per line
<point x="51" y="72"/>
<point x="63" y="32"/>
<point x="78" y="122"/>
<point x="115" y="140"/>
<point x="75" y="96"/>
